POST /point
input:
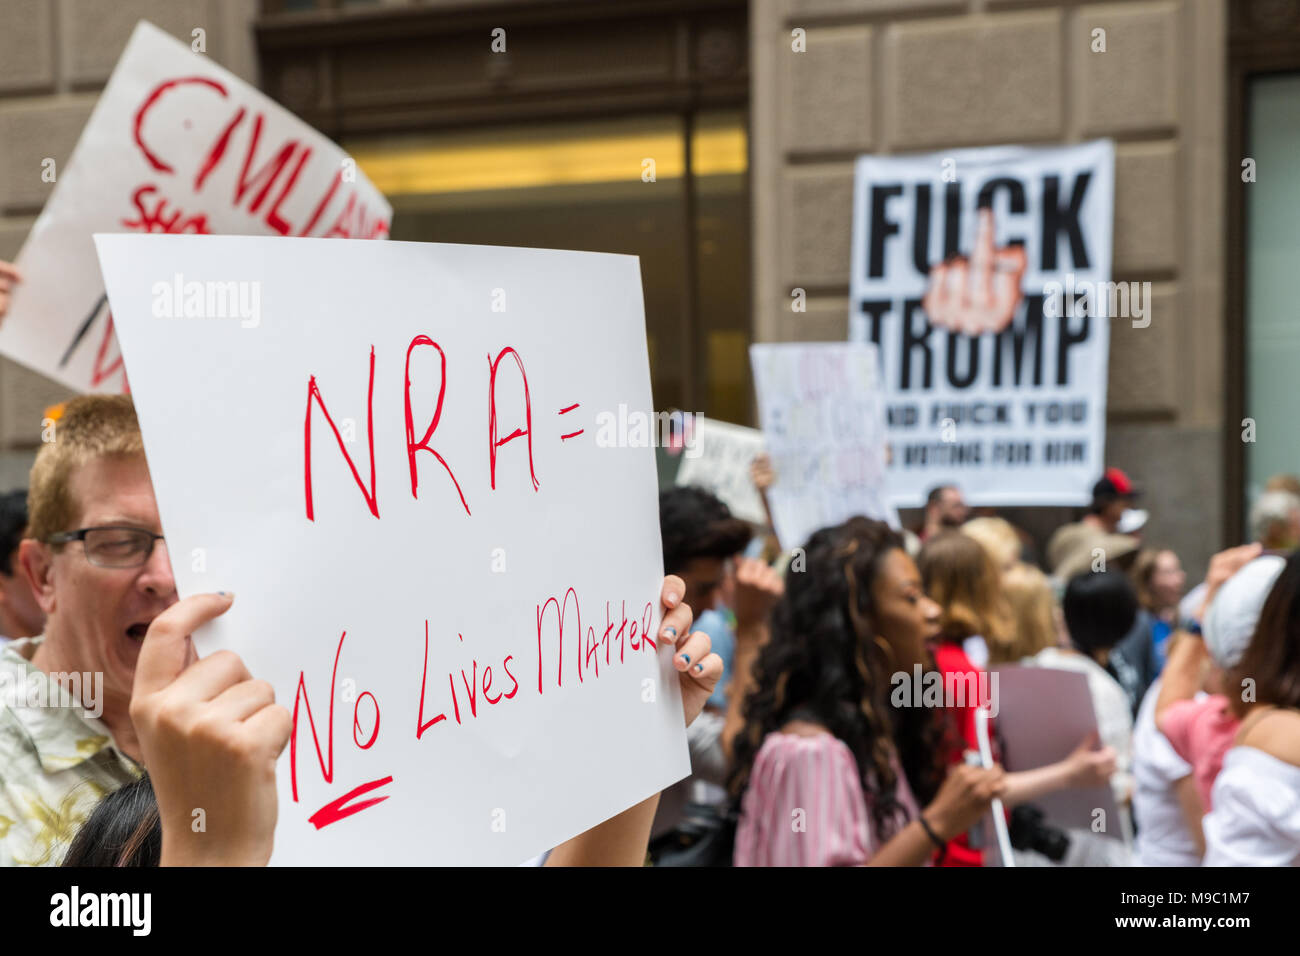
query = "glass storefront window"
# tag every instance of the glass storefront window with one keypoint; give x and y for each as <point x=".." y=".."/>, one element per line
<point x="591" y="186"/>
<point x="1272" y="251"/>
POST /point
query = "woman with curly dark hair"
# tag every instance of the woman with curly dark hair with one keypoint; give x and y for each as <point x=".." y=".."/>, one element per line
<point x="825" y="771"/>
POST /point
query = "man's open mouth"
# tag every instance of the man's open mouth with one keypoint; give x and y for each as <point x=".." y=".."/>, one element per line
<point x="138" y="630"/>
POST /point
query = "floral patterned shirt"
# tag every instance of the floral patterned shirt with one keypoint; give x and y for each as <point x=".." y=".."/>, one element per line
<point x="56" y="762"/>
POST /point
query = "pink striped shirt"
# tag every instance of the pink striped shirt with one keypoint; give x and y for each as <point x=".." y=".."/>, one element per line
<point x="804" y="805"/>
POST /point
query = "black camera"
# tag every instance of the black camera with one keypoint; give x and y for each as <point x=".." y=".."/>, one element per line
<point x="1029" y="832"/>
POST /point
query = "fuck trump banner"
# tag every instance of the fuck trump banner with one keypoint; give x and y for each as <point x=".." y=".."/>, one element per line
<point x="449" y="580"/>
<point x="983" y="276"/>
<point x="176" y="144"/>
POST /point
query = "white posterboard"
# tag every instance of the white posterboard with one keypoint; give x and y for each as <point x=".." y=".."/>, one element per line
<point x="176" y="144"/>
<point x="393" y="541"/>
<point x="823" y="419"/>
<point x="1005" y="395"/>
<point x="719" y="462"/>
<point x="1043" y="714"/>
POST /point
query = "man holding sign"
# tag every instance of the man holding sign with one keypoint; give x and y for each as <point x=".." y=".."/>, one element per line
<point x="416" y="455"/>
<point x="209" y="733"/>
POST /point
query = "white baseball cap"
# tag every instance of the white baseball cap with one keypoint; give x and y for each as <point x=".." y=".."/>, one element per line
<point x="1230" y="621"/>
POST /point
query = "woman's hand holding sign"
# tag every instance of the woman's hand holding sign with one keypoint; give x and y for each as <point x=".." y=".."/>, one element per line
<point x="623" y="840"/>
<point x="698" y="669"/>
<point x="979" y="295"/>
<point x="210" y="736"/>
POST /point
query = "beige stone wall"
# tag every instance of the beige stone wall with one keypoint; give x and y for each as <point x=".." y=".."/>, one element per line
<point x="894" y="76"/>
<point x="55" y="56"/>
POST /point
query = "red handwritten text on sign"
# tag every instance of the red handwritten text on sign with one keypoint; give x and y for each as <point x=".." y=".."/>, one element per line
<point x="476" y="684"/>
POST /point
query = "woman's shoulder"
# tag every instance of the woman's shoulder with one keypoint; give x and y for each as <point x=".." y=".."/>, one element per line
<point x="1277" y="734"/>
<point x="802" y="764"/>
<point x="803" y="744"/>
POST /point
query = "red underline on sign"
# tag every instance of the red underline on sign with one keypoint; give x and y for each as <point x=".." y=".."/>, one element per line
<point x="336" y="810"/>
<point x="570" y="408"/>
<point x="572" y="434"/>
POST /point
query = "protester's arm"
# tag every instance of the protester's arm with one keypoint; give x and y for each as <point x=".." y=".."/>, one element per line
<point x="758" y="588"/>
<point x="704" y="737"/>
<point x="911" y="846"/>
<point x="624" y="839"/>
<point x="1084" y="768"/>
<point x="742" y="679"/>
<point x="619" y="841"/>
<point x="9" y="274"/>
<point x="1189" y="802"/>
<point x="1187" y="655"/>
<point x="965" y="796"/>
<point x="210" y="736"/>
<point x="1182" y="675"/>
<point x="763" y="476"/>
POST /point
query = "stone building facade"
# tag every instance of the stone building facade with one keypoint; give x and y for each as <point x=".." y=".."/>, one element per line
<point x="893" y="77"/>
<point x="884" y="76"/>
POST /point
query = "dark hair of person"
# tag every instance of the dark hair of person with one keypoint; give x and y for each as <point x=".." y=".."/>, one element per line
<point x="818" y="666"/>
<point x="123" y="830"/>
<point x="1272" y="660"/>
<point x="936" y="494"/>
<point x="694" y="523"/>
<point x="13" y="522"/>
<point x="1100" y="608"/>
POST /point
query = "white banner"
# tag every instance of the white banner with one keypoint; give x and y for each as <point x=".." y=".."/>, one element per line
<point x="823" y="418"/>
<point x="719" y="462"/>
<point x="993" y="326"/>
<point x="443" y="572"/>
<point x="176" y="144"/>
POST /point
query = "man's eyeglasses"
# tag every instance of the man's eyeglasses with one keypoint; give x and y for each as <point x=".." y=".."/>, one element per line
<point x="113" y="546"/>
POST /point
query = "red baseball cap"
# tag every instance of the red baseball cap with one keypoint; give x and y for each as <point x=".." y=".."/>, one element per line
<point x="1114" y="484"/>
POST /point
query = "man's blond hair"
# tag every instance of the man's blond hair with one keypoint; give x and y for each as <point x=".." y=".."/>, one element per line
<point x="91" y="427"/>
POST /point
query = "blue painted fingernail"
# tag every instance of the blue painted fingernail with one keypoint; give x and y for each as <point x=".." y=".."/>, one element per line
<point x="700" y="667"/>
<point x="686" y="658"/>
<point x="670" y="631"/>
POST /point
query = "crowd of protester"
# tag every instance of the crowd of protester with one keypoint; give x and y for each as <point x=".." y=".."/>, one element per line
<point x="1196" y="706"/>
<point x="808" y="744"/>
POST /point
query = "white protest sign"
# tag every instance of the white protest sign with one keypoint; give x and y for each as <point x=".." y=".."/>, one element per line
<point x="823" y="418"/>
<point x="176" y="144"/>
<point x="1003" y="391"/>
<point x="442" y="574"/>
<point x="718" y="461"/>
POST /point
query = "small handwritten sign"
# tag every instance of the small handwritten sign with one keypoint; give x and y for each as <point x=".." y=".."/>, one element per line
<point x="823" y="418"/>
<point x="720" y="463"/>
